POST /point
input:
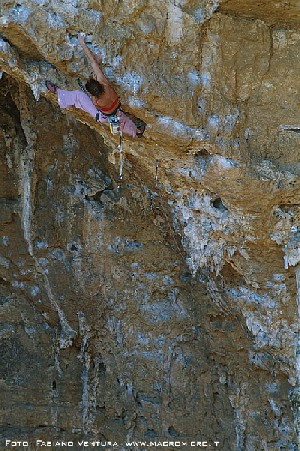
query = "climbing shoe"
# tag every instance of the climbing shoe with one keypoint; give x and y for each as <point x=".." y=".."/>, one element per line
<point x="140" y="130"/>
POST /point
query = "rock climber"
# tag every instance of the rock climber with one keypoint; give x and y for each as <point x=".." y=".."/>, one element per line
<point x="104" y="101"/>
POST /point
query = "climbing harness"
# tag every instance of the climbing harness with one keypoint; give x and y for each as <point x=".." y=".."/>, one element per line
<point x="113" y="121"/>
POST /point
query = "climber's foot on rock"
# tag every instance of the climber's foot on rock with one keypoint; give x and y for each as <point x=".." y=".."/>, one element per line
<point x="51" y="86"/>
<point x="140" y="130"/>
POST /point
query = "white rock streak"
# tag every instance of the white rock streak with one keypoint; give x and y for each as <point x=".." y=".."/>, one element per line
<point x="26" y="169"/>
<point x="175" y="22"/>
<point x="27" y="191"/>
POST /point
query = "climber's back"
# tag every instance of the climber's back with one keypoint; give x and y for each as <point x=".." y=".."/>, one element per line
<point x="104" y="96"/>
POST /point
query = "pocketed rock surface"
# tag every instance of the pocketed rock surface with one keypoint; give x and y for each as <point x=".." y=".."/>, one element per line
<point x="164" y="306"/>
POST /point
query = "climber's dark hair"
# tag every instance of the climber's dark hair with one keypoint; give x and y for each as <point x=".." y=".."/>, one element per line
<point x="94" y="87"/>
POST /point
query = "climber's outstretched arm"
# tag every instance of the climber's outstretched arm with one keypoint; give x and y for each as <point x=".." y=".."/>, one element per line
<point x="92" y="59"/>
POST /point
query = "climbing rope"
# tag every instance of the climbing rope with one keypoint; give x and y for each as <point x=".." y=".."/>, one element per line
<point x="121" y="156"/>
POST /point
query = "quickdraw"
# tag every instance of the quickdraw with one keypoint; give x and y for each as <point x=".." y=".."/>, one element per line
<point x="114" y="124"/>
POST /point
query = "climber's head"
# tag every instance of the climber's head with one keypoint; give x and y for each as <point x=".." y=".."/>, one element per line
<point x="94" y="87"/>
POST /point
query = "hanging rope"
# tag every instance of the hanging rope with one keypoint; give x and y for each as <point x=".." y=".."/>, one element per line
<point x="121" y="156"/>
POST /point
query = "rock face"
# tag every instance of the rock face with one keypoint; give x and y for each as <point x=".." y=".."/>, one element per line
<point x="165" y="307"/>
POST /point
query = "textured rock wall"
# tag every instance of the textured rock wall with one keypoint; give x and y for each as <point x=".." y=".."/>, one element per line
<point x="93" y="278"/>
<point x="168" y="308"/>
